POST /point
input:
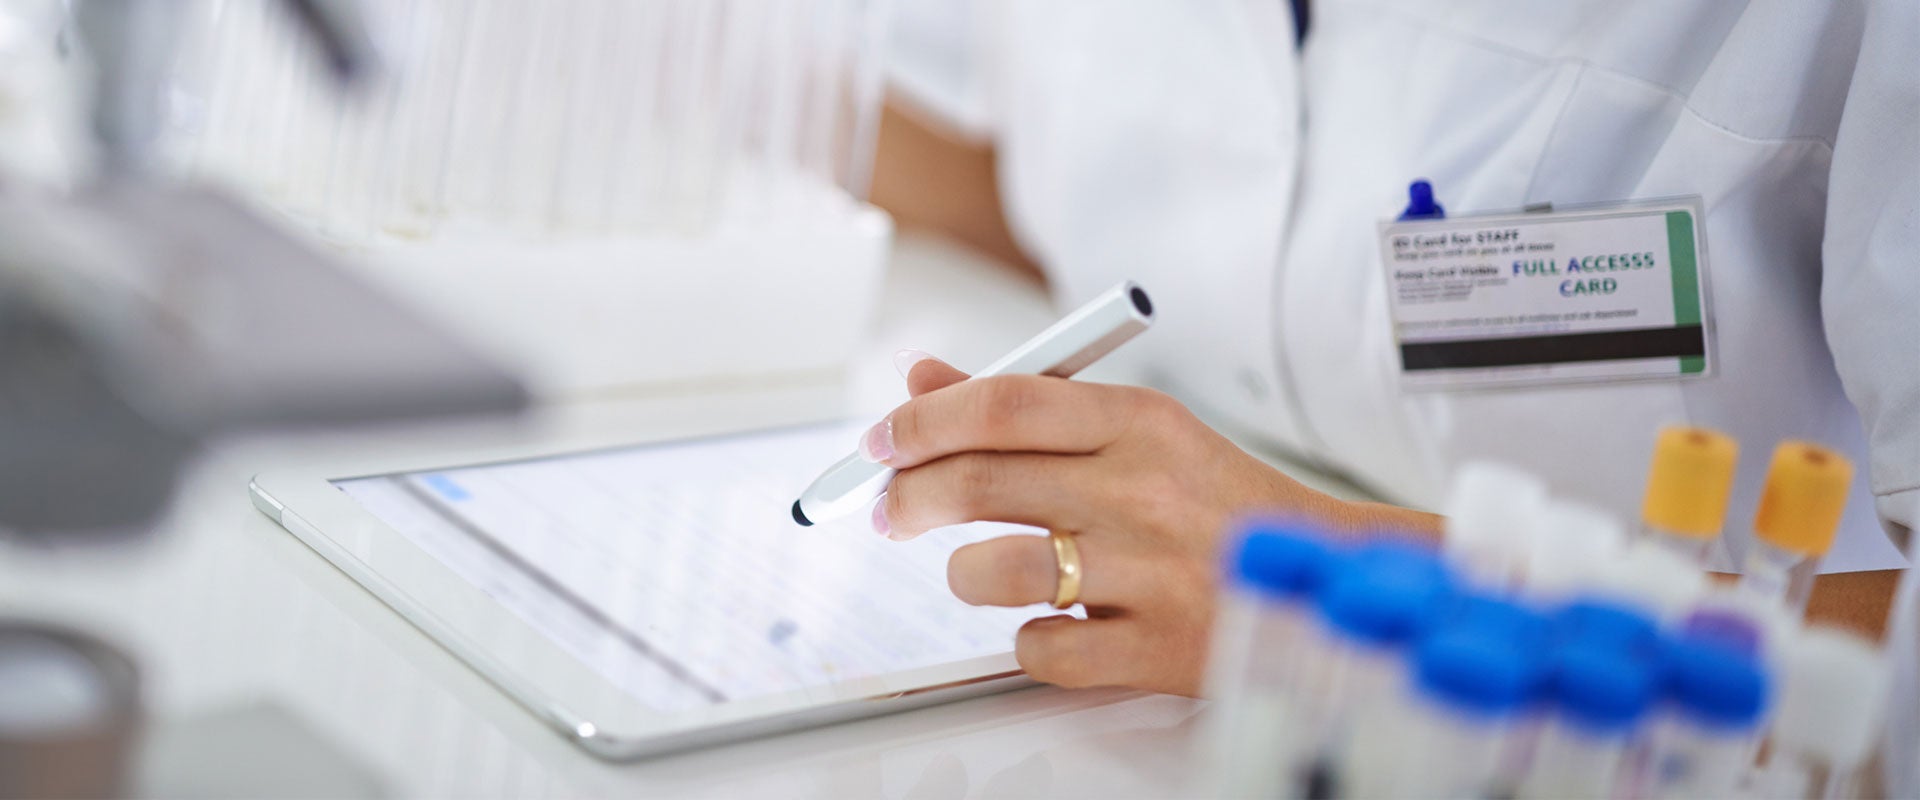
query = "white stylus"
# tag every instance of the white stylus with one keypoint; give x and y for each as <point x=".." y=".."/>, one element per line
<point x="1077" y="340"/>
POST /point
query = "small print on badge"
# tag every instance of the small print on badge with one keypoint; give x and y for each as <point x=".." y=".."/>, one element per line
<point x="1613" y="292"/>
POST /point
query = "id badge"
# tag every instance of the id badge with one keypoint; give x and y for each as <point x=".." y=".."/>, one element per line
<point x="1598" y="293"/>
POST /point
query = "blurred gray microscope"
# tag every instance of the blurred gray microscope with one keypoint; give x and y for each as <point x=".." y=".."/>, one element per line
<point x="142" y="316"/>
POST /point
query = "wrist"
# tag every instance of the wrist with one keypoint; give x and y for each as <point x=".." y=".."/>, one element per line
<point x="1365" y="518"/>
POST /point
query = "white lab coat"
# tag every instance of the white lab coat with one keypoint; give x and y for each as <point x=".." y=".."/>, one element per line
<point x="1190" y="146"/>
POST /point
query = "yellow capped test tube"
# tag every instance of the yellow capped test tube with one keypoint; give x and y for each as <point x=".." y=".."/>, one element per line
<point x="1688" y="486"/>
<point x="1800" y="508"/>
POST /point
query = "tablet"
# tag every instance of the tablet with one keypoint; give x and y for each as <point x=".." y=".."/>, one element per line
<point x="659" y="597"/>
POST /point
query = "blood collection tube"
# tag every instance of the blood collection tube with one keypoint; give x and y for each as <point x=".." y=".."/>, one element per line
<point x="1492" y="511"/>
<point x="1267" y="663"/>
<point x="1603" y="622"/>
<point x="1600" y="684"/>
<point x="1373" y="607"/>
<point x="1688" y="486"/>
<point x="1741" y="619"/>
<point x="1800" y="508"/>
<point x="1599" y="694"/>
<point x="1569" y="550"/>
<point x="1474" y="678"/>
<point x="1725" y="628"/>
<point x="1716" y="696"/>
<point x="1832" y="706"/>
<point x="1653" y="578"/>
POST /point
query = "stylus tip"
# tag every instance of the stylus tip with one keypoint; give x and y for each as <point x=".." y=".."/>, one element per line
<point x="800" y="516"/>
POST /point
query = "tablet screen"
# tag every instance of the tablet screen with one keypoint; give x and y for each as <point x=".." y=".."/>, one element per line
<point x="676" y="570"/>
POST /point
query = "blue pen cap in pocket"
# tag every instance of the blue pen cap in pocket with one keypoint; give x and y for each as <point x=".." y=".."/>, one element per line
<point x="1420" y="202"/>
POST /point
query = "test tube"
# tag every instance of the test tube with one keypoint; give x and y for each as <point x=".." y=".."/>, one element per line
<point x="1569" y="548"/>
<point x="1599" y="694"/>
<point x="310" y="131"/>
<point x="780" y="152"/>
<point x="693" y="155"/>
<point x="1800" y="508"/>
<point x="1492" y="511"/>
<point x="1382" y="598"/>
<point x="1725" y="628"/>
<point x="284" y="77"/>
<point x="1653" y="578"/>
<point x="1900" y="746"/>
<point x="1688" y="486"/>
<point x="1716" y="696"/>
<point x="1474" y="677"/>
<point x="1266" y="657"/>
<point x="867" y="78"/>
<point x="1832" y="707"/>
<point x="1605" y="622"/>
<point x="537" y="116"/>
<point x="443" y="56"/>
<point x="1727" y="607"/>
<point x="826" y="95"/>
<point x="648" y="120"/>
<point x="735" y="88"/>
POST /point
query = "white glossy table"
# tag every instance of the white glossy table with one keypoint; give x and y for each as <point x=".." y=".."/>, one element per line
<point x="269" y="673"/>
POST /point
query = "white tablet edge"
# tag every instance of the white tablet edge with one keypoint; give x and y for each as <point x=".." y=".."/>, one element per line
<point x="536" y="672"/>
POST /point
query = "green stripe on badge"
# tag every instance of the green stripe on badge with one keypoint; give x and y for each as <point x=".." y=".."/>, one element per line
<point x="1686" y="281"/>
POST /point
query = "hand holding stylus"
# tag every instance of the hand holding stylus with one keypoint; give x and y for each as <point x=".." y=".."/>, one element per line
<point x="1068" y="346"/>
<point x="1143" y="485"/>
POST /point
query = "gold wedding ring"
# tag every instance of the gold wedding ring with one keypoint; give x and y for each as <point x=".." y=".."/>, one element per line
<point x="1066" y="559"/>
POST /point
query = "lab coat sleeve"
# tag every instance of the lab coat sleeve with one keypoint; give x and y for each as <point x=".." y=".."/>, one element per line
<point x="941" y="62"/>
<point x="1870" y="289"/>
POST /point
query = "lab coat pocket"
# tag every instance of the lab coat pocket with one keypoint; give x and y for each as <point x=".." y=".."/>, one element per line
<point x="1588" y="440"/>
<point x="1472" y="118"/>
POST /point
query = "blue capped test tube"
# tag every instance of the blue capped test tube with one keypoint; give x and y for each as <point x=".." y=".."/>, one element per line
<point x="1606" y="623"/>
<point x="1602" y="680"/>
<point x="1474" y="680"/>
<point x="1268" y="660"/>
<point x="1379" y="601"/>
<point x="1716" y="698"/>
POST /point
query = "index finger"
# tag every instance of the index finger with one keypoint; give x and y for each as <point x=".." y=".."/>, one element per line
<point x="1023" y="413"/>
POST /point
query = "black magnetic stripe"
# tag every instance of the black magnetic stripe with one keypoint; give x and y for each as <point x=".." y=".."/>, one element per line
<point x="1685" y="340"/>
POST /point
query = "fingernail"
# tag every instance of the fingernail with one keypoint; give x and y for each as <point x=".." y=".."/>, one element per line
<point x="905" y="359"/>
<point x="877" y="445"/>
<point x="880" y="525"/>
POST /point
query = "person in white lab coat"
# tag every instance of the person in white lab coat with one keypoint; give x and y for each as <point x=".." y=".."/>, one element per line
<point x="1235" y="159"/>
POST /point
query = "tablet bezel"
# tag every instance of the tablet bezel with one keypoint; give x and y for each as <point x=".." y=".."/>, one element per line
<point x="537" y="671"/>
